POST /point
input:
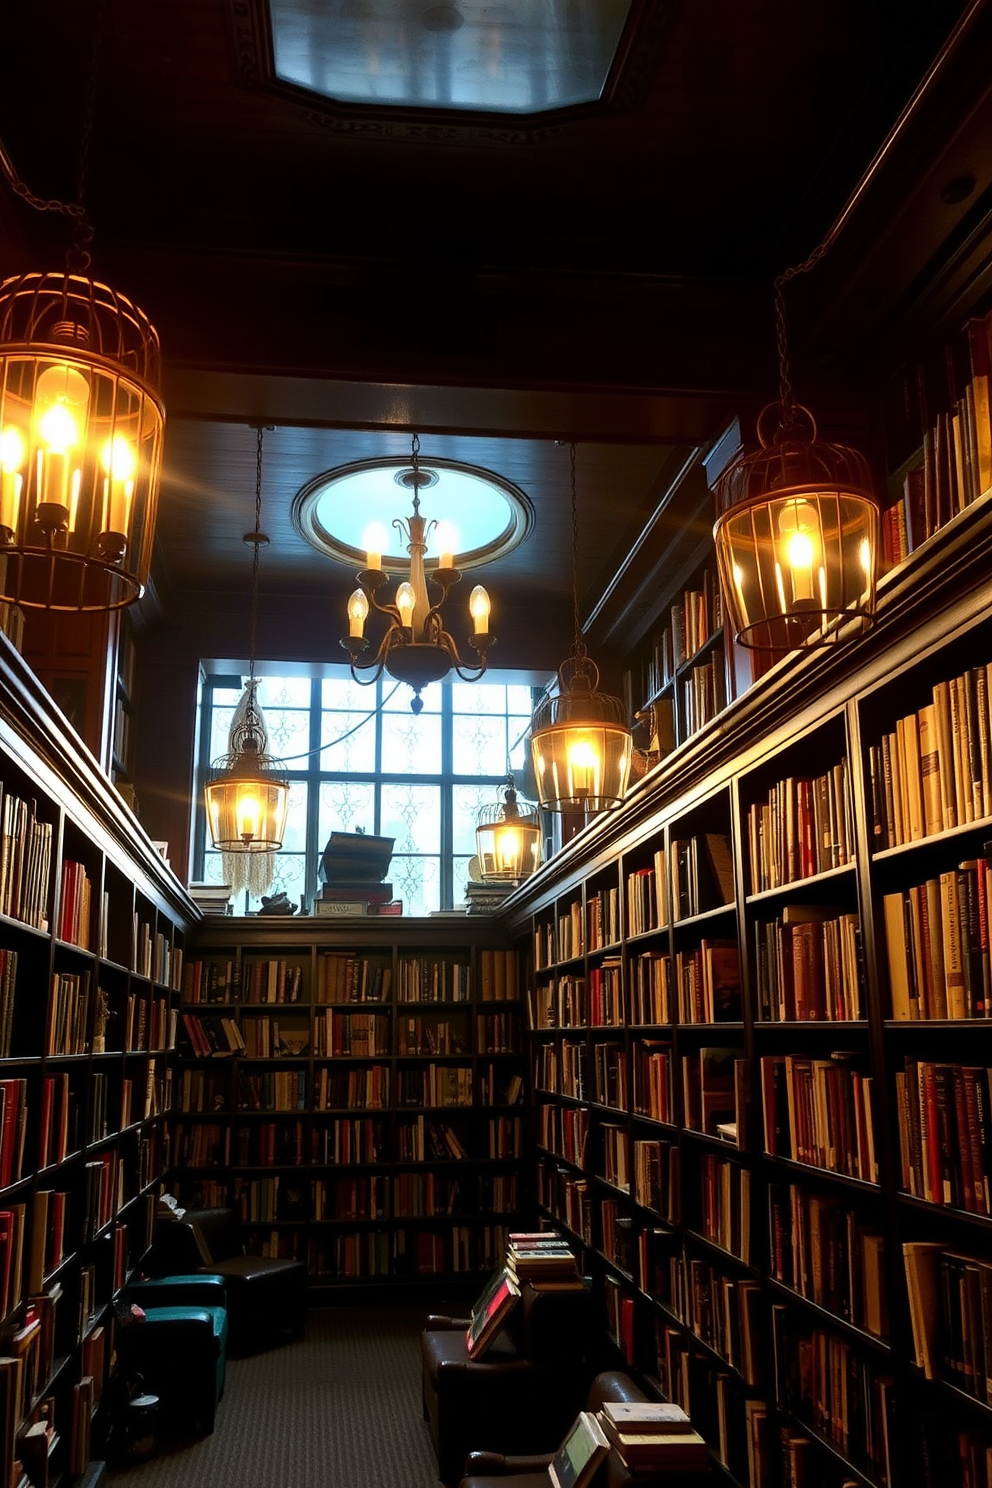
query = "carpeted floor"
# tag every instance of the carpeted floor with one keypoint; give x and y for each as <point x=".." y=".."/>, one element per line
<point x="340" y="1408"/>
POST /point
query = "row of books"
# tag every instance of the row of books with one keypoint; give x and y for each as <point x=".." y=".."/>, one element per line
<point x="692" y="620"/>
<point x="435" y="1085"/>
<point x="945" y="1133"/>
<point x="938" y="436"/>
<point x="819" y="1111"/>
<point x="703" y="693"/>
<point x="272" y="981"/>
<point x="803" y="826"/>
<point x="725" y="1204"/>
<point x="937" y="939"/>
<point x="603" y="919"/>
<point x="932" y="771"/>
<point x="564" y="1130"/>
<point x="820" y="1248"/>
<point x="25" y="862"/>
<point x="75" y="902"/>
<point x="809" y="965"/>
<point x="347" y="977"/>
<point x="701" y="873"/>
<point x="8" y="990"/>
<point x="647" y="896"/>
<point x="68" y="1021"/>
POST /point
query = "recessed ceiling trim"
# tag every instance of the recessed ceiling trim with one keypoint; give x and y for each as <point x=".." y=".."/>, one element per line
<point x="641" y="39"/>
<point x="336" y="496"/>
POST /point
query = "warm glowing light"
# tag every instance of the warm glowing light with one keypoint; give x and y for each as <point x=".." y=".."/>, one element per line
<point x="118" y="458"/>
<point x="59" y="429"/>
<point x="799" y="528"/>
<point x="120" y="462"/>
<point x="866" y="557"/>
<point x="508" y="848"/>
<point x="12" y="452"/>
<point x="583" y="761"/>
<point x="249" y="813"/>
<point x="445" y="543"/>
<point x="358" y="613"/>
<point x="478" y="608"/>
<point x="405" y="601"/>
<point x="374" y="541"/>
<point x="799" y="550"/>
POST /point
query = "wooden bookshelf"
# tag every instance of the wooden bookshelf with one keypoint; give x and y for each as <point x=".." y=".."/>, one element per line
<point x="776" y="1157"/>
<point x="356" y="1090"/>
<point x="92" y="932"/>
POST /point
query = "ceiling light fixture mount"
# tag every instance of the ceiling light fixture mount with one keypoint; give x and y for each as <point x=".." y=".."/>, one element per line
<point x="416" y="648"/>
<point x="580" y="741"/>
<point x="247" y="795"/>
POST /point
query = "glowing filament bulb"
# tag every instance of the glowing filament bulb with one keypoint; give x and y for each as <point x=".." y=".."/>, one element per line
<point x="799" y="549"/>
<point x="120" y="462"/>
<point x="583" y="760"/>
<point x="249" y="813"/>
<point x="478" y="608"/>
<point x="60" y="398"/>
<point x="508" y="852"/>
<point x="405" y="601"/>
<point x="12" y="453"/>
<point x="358" y="613"/>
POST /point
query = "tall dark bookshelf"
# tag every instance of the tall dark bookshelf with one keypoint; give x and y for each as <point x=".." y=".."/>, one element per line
<point x="92" y="934"/>
<point x="744" y="1182"/>
<point x="359" y="1096"/>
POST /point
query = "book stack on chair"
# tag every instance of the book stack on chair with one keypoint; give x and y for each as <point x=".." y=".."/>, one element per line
<point x="353" y="867"/>
<point x="541" y="1258"/>
<point x="654" y="1437"/>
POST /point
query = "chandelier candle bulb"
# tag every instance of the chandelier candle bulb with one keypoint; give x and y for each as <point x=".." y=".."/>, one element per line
<point x="12" y="452"/>
<point x="375" y="540"/>
<point x="358" y="613"/>
<point x="478" y="608"/>
<point x="405" y="603"/>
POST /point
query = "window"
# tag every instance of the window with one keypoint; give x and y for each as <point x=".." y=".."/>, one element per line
<point x="358" y="758"/>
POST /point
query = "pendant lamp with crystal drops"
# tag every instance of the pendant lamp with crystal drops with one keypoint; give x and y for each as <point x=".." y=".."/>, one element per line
<point x="798" y="532"/>
<point x="81" y="425"/>
<point x="247" y="795"/>
<point x="580" y="740"/>
<point x="508" y="840"/>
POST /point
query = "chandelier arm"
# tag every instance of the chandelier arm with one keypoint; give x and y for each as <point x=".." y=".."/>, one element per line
<point x="367" y="681"/>
<point x="466" y="675"/>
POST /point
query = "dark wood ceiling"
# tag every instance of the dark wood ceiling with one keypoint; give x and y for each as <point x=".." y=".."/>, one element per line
<point x="350" y="276"/>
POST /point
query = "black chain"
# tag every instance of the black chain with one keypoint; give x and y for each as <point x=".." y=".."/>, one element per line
<point x="579" y="647"/>
<point x="256" y="544"/>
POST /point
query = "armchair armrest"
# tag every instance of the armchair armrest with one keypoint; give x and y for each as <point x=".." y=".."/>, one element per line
<point x="178" y="1291"/>
<point x="499" y="1464"/>
<point x="439" y="1323"/>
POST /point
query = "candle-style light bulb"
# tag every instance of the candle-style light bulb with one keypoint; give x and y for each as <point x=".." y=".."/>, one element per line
<point x="12" y="454"/>
<point x="61" y="396"/>
<point x="799" y="546"/>
<point x="374" y="541"/>
<point x="120" y="462"/>
<point x="478" y="608"/>
<point x="446" y="543"/>
<point x="583" y="760"/>
<point x="405" y="601"/>
<point x="358" y="613"/>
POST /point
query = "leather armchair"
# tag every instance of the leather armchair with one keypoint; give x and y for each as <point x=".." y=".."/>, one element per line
<point x="180" y="1346"/>
<point x="266" y="1295"/>
<point x="524" y="1393"/>
<point x="506" y="1470"/>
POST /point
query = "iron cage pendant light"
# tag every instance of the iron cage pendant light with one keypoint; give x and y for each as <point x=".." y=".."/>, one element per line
<point x="416" y="648"/>
<point x="247" y="796"/>
<point x="580" y="741"/>
<point x="797" y="538"/>
<point x="507" y="842"/>
<point x="81" y="425"/>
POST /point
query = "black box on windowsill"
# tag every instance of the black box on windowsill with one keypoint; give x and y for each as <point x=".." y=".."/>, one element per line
<point x="353" y="859"/>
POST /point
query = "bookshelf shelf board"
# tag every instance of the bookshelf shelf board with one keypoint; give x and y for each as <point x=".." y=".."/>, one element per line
<point x="854" y="1474"/>
<point x="803" y="885"/>
<point x="860" y="1336"/>
<point x="810" y="1171"/>
<point x="711" y="1247"/>
<point x="705" y="917"/>
<point x="980" y="829"/>
<point x="962" y="1217"/>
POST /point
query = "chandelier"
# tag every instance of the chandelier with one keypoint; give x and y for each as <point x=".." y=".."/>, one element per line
<point x="81" y="425"/>
<point x="416" y="648"/>
<point x="580" y="742"/>
<point x="507" y="843"/>
<point x="247" y="795"/>
<point x="797" y="538"/>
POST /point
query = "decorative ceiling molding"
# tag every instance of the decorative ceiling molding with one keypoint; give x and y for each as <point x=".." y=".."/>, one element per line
<point x="630" y="76"/>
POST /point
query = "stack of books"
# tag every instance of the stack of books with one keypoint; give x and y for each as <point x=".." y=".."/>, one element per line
<point x="654" y="1437"/>
<point x="486" y="898"/>
<point x="542" y="1258"/>
<point x="211" y="898"/>
<point x="352" y="869"/>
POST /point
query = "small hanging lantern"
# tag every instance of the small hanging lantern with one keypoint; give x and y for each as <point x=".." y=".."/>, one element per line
<point x="247" y="796"/>
<point x="580" y="741"/>
<point x="798" y="534"/>
<point x="507" y="843"/>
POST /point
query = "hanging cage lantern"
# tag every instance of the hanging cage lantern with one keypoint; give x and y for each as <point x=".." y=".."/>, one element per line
<point x="580" y="741"/>
<point x="247" y="795"/>
<point x="508" y="842"/>
<point x="797" y="539"/>
<point x="81" y="425"/>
